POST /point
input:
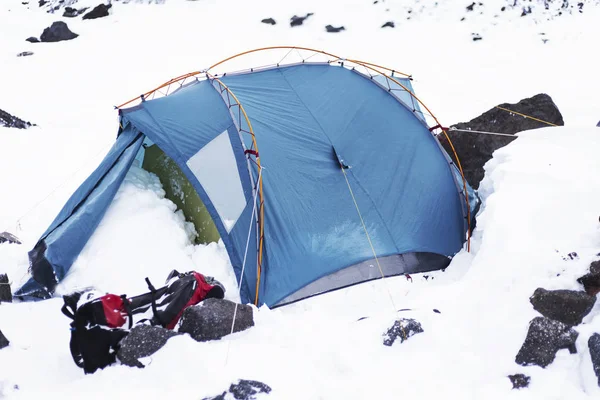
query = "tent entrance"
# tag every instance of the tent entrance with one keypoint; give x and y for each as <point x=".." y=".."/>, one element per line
<point x="180" y="191"/>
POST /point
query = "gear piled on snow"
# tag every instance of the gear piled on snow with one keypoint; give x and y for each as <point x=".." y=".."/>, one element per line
<point x="101" y="321"/>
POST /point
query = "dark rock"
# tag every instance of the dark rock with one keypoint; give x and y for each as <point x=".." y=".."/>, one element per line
<point x="57" y="32"/>
<point x="591" y="283"/>
<point x="470" y="7"/>
<point x="297" y="21"/>
<point x="595" y="267"/>
<point x="269" y="21"/>
<point x="42" y="2"/>
<point x="25" y="54"/>
<point x="544" y="338"/>
<point x="143" y="341"/>
<point x="71" y="12"/>
<point x="476" y="37"/>
<point x="5" y="292"/>
<point x="333" y="29"/>
<point x="475" y="150"/>
<point x="594" y="346"/>
<point x="5" y="236"/>
<point x="403" y="329"/>
<point x="389" y="24"/>
<point x="4" y="342"/>
<point x="10" y="121"/>
<point x="566" y="306"/>
<point x="435" y="310"/>
<point x="32" y="39"/>
<point x="519" y="381"/>
<point x="100" y="11"/>
<point x="211" y="319"/>
<point x="243" y="390"/>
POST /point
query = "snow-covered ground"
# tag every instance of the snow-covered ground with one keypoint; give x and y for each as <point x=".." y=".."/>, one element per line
<point x="541" y="201"/>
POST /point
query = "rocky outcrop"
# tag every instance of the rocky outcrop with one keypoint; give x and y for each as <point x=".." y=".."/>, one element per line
<point x="591" y="280"/>
<point x="474" y="150"/>
<point x="212" y="318"/>
<point x="544" y="338"/>
<point x="333" y="29"/>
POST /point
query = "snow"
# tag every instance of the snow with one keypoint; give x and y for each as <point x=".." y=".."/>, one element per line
<point x="540" y="194"/>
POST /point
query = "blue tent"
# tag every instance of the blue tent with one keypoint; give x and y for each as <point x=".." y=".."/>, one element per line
<point x="333" y="178"/>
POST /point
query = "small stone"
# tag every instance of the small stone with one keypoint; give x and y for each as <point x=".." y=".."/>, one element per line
<point x="332" y="29"/>
<point x="389" y="24"/>
<point x="5" y="292"/>
<point x="6" y="237"/>
<point x="297" y="21"/>
<point x="594" y="346"/>
<point x="519" y="381"/>
<point x="245" y="390"/>
<point x="4" y="342"/>
<point x="269" y="21"/>
<point x="403" y="328"/>
<point x="25" y="54"/>
<point x="32" y="39"/>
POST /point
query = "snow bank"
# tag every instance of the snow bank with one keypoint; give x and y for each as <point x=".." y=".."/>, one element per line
<point x="143" y="235"/>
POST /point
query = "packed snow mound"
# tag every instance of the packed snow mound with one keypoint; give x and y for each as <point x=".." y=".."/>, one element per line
<point x="144" y="235"/>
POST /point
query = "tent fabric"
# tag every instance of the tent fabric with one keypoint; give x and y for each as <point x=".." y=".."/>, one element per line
<point x="59" y="246"/>
<point x="338" y="149"/>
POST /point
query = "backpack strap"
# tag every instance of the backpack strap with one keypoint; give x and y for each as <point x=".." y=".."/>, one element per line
<point x="154" y="308"/>
<point x="127" y="307"/>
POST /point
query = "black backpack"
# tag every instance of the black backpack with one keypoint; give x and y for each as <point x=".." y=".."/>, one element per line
<point x="100" y="322"/>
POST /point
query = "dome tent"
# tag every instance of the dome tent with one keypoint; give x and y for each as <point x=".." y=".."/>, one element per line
<point x="316" y="174"/>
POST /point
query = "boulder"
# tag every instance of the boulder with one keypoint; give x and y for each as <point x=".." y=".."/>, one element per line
<point x="333" y="29"/>
<point x="142" y="341"/>
<point x="10" y="121"/>
<point x="519" y="381"/>
<point x="5" y="292"/>
<point x="389" y="24"/>
<point x="544" y="338"/>
<point x="6" y="237"/>
<point x="594" y="346"/>
<point x="32" y="39"/>
<point x="100" y="11"/>
<point x="566" y="306"/>
<point x="3" y="341"/>
<point x="269" y="21"/>
<point x="243" y="390"/>
<point x="403" y="329"/>
<point x="57" y="32"/>
<point x="211" y="319"/>
<point x="297" y="21"/>
<point x="474" y="150"/>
